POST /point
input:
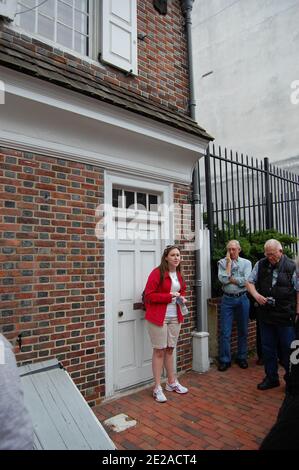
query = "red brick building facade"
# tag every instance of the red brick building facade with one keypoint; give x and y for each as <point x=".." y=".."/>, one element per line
<point x="53" y="267"/>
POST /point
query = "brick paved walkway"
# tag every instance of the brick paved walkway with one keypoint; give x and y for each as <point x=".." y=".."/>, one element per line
<point x="223" y="410"/>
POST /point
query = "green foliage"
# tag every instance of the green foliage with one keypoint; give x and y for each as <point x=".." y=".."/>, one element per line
<point x="252" y="245"/>
<point x="258" y="240"/>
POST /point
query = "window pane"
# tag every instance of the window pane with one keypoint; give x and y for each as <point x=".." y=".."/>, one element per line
<point x="81" y="22"/>
<point x="65" y="14"/>
<point x="141" y="201"/>
<point x="25" y="4"/>
<point x="45" y="27"/>
<point x="47" y="8"/>
<point x="27" y="20"/>
<point x="116" y="198"/>
<point x="81" y="43"/>
<point x="82" y="5"/>
<point x="153" y="203"/>
<point x="129" y="195"/>
<point x="64" y="36"/>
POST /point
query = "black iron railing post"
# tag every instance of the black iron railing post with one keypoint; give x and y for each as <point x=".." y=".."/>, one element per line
<point x="269" y="208"/>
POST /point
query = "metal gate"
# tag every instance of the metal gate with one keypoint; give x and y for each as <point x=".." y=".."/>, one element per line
<point x="243" y="195"/>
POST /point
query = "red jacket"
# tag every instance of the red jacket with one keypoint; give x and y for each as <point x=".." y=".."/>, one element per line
<point x="157" y="296"/>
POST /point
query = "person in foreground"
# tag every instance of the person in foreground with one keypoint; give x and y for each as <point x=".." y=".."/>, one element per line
<point x="16" y="431"/>
<point x="284" y="434"/>
<point x="164" y="302"/>
<point x="272" y="283"/>
<point x="233" y="272"/>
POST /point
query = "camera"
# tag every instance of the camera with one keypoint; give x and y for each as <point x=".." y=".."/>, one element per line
<point x="271" y="301"/>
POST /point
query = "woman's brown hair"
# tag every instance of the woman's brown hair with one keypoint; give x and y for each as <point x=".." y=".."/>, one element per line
<point x="164" y="264"/>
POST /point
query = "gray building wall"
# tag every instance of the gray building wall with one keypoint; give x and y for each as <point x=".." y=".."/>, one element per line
<point x="251" y="49"/>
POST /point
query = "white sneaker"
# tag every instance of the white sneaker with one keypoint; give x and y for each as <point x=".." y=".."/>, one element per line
<point x="176" y="387"/>
<point x="159" y="395"/>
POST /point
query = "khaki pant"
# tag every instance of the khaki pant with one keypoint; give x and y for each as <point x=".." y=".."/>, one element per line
<point x="165" y="336"/>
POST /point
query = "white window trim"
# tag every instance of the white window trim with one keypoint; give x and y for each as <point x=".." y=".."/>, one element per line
<point x="94" y="36"/>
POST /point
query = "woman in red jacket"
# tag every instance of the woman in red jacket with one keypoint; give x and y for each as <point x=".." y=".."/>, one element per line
<point x="165" y="302"/>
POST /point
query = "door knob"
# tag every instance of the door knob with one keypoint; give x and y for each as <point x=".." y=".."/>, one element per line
<point x="120" y="314"/>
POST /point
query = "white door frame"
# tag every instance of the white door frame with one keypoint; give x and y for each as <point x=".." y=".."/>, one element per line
<point x="165" y="191"/>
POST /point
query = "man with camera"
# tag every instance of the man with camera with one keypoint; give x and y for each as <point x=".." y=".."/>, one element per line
<point x="272" y="283"/>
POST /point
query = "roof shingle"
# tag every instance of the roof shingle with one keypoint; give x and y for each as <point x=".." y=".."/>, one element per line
<point x="30" y="62"/>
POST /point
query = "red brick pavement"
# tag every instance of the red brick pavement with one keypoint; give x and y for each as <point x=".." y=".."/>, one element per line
<point x="223" y="410"/>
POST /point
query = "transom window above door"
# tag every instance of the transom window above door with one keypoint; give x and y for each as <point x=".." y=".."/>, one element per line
<point x="136" y="215"/>
<point x="65" y="22"/>
<point x="136" y="200"/>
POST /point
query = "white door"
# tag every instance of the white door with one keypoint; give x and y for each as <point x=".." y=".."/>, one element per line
<point x="137" y="250"/>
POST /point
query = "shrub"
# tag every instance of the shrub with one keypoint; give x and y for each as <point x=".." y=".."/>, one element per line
<point x="252" y="245"/>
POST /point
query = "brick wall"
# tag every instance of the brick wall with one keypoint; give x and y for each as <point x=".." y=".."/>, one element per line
<point x="162" y="57"/>
<point x="51" y="264"/>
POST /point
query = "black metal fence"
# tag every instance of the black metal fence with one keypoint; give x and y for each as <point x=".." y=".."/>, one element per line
<point x="242" y="192"/>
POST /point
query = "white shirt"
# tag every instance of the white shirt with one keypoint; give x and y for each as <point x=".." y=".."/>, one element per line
<point x="171" y="310"/>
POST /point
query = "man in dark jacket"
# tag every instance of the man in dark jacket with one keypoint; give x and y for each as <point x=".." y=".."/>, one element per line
<point x="272" y="283"/>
